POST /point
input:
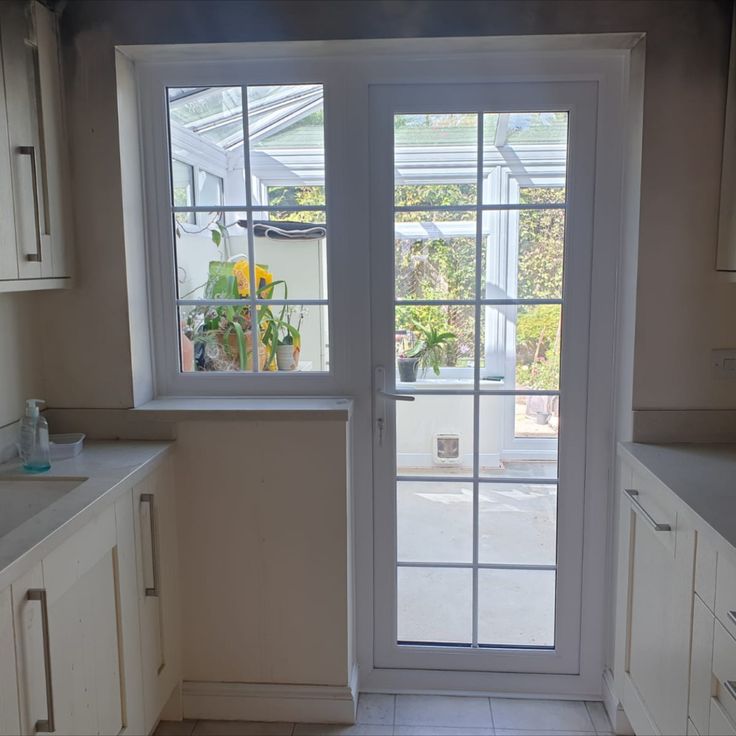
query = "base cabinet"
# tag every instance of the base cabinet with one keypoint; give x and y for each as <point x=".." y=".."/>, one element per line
<point x="89" y="636"/>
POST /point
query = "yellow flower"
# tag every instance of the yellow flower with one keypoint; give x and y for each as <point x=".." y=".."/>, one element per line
<point x="241" y="270"/>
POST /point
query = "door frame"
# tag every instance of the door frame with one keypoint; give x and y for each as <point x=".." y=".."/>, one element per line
<point x="604" y="61"/>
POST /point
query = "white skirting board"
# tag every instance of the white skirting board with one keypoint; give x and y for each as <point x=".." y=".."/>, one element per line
<point x="236" y="701"/>
<point x="613" y="707"/>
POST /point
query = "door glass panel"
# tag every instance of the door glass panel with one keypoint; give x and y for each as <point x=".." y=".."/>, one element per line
<point x="516" y="607"/>
<point x="517" y="523"/>
<point x="428" y="618"/>
<point x="496" y="368"/>
<point x="523" y="150"/>
<point x="435" y="520"/>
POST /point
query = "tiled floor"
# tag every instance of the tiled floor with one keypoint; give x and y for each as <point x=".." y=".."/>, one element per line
<point x="428" y="715"/>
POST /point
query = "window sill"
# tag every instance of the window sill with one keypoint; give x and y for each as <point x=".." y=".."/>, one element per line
<point x="251" y="409"/>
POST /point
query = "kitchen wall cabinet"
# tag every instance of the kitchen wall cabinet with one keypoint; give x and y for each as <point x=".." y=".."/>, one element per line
<point x="91" y="633"/>
<point x="35" y="216"/>
<point x="158" y="594"/>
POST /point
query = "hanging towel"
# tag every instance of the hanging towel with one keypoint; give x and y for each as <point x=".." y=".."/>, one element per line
<point x="286" y="229"/>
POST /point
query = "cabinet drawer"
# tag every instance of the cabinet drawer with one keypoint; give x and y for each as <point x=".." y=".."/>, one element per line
<point x="705" y="571"/>
<point x="724" y="669"/>
<point x="726" y="590"/>
<point x="655" y="506"/>
<point x="720" y="724"/>
<point x="701" y="665"/>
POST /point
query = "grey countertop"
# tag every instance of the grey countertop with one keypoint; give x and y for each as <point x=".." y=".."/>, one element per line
<point x="702" y="476"/>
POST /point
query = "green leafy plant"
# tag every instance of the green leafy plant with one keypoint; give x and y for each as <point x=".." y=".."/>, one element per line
<point x="429" y="347"/>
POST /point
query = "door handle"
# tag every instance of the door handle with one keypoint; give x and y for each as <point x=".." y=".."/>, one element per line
<point x="31" y="152"/>
<point x="149" y="498"/>
<point x="39" y="594"/>
<point x="395" y="397"/>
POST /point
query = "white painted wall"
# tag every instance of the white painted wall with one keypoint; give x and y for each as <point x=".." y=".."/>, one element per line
<point x="21" y="359"/>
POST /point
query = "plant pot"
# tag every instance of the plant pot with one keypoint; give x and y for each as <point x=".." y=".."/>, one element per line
<point x="287" y="357"/>
<point x="408" y="369"/>
<point x="234" y="351"/>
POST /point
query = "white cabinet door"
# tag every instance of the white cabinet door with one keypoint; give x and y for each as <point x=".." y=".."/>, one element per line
<point x="67" y="625"/>
<point x="155" y="519"/>
<point x="660" y="564"/>
<point x="22" y="91"/>
<point x="9" y="715"/>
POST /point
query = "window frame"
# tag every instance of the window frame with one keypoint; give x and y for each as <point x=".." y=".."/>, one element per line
<point x="154" y="78"/>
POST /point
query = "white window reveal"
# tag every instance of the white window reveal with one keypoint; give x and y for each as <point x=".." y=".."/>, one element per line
<point x="247" y="196"/>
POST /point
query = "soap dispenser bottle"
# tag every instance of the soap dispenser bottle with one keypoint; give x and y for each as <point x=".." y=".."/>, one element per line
<point x="34" y="439"/>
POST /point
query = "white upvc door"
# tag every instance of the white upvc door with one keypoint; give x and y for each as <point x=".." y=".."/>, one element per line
<point x="482" y="196"/>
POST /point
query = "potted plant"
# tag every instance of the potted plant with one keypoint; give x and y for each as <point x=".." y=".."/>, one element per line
<point x="289" y="342"/>
<point x="426" y="352"/>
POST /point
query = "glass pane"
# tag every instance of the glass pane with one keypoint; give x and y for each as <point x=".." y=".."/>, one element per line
<point x="507" y="420"/>
<point x="523" y="150"/>
<point x="516" y="607"/>
<point x="206" y="131"/>
<point x="435" y="159"/>
<point x="435" y="520"/>
<point x="210" y="188"/>
<point x="434" y="255"/>
<point x="523" y="252"/>
<point x="435" y="346"/>
<point x="521" y="347"/>
<point x="292" y="246"/>
<point x="435" y="605"/>
<point x="220" y="338"/>
<point x="434" y="436"/>
<point x="183" y="189"/>
<point x="517" y="523"/>
<point x="287" y="144"/>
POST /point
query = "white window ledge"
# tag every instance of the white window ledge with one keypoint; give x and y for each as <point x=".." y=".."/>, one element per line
<point x="252" y="409"/>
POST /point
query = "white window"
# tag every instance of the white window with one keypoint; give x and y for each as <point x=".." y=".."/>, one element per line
<point x="246" y="206"/>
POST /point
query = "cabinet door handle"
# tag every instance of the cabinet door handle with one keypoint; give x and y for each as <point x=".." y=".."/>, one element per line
<point x="634" y="496"/>
<point x="730" y="685"/>
<point x="31" y="152"/>
<point x="39" y="594"/>
<point x="732" y="616"/>
<point x="150" y="500"/>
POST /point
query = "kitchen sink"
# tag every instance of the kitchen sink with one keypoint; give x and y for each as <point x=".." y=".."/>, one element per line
<point x="22" y="497"/>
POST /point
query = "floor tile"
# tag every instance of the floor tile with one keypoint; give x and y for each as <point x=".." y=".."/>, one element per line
<point x="376" y="709"/>
<point x="331" y="729"/>
<point x="441" y="731"/>
<point x="599" y="716"/>
<point x="541" y="715"/>
<point x="242" y="728"/>
<point x="443" y="710"/>
<point x="175" y="728"/>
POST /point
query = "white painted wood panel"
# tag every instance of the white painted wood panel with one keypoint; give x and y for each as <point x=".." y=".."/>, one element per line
<point x="701" y="664"/>
<point x="58" y="206"/>
<point x="691" y="730"/>
<point x="725" y="609"/>
<point x="705" y="571"/>
<point x="9" y="714"/>
<point x="724" y="669"/>
<point x="157" y="562"/>
<point x="127" y="572"/>
<point x="8" y="256"/>
<point x="720" y="723"/>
